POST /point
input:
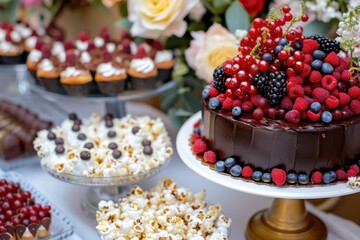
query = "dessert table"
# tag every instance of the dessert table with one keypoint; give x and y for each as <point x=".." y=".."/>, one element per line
<point x="237" y="205"/>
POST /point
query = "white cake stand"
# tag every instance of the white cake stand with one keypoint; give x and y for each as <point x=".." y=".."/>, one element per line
<point x="287" y="218"/>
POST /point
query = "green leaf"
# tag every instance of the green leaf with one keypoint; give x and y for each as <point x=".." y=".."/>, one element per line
<point x="175" y="42"/>
<point x="191" y="101"/>
<point x="183" y="113"/>
<point x="317" y="27"/>
<point x="236" y="17"/>
<point x="192" y="81"/>
<point x="197" y="26"/>
<point x="8" y="12"/>
<point x="123" y="9"/>
<point x="221" y="3"/>
<point x="124" y="23"/>
<point x="180" y="70"/>
<point x="174" y="119"/>
<point x="169" y="100"/>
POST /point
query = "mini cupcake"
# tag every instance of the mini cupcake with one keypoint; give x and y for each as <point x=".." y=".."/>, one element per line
<point x="110" y="77"/>
<point x="11" y="50"/>
<point x="164" y="62"/>
<point x="47" y="73"/>
<point x="142" y="71"/>
<point x="34" y="58"/>
<point x="76" y="81"/>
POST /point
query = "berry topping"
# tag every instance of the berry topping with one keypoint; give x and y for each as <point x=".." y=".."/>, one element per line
<point x="140" y="53"/>
<point x="229" y="162"/>
<point x="278" y="176"/>
<point x="236" y="170"/>
<point x="70" y="58"/>
<point x="327" y="45"/>
<point x="220" y="166"/>
<point x="84" y="36"/>
<point x="85" y="155"/>
<point x="210" y="156"/>
<point x="219" y="77"/>
<point x="256" y="176"/>
<point x="246" y="172"/>
<point x="199" y="147"/>
<point x="107" y="56"/>
<point x="317" y="177"/>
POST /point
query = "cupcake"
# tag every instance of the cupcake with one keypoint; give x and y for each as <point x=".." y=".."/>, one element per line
<point x="142" y="71"/>
<point x="75" y="80"/>
<point x="82" y="43"/>
<point x="11" y="50"/>
<point x="47" y="74"/>
<point x="164" y="62"/>
<point x="34" y="58"/>
<point x="110" y="76"/>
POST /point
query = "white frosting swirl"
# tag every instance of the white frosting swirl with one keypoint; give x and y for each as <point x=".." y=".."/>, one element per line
<point x="40" y="31"/>
<point x="72" y="72"/>
<point x="133" y="48"/>
<point x="30" y="42"/>
<point x="85" y="57"/>
<point x="46" y="65"/>
<point x="57" y="48"/>
<point x="110" y="47"/>
<point x="108" y="70"/>
<point x="99" y="42"/>
<point x="143" y="65"/>
<point x="163" y="56"/>
<point x="81" y="45"/>
<point x="8" y="47"/>
<point x="15" y="36"/>
<point x="61" y="56"/>
<point x="25" y="32"/>
<point x="34" y="55"/>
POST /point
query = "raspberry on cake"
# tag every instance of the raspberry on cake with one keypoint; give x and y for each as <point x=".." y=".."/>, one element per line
<point x="297" y="111"/>
<point x="166" y="211"/>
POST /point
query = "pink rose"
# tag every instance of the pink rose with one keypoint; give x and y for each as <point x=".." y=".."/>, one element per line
<point x="31" y="3"/>
<point x="209" y="50"/>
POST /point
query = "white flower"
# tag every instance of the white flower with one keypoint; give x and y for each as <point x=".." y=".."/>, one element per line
<point x="323" y="10"/>
<point x="152" y="19"/>
<point x="197" y="12"/>
<point x="209" y="50"/>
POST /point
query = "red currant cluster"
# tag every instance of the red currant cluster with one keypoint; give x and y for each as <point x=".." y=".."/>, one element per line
<point x="17" y="207"/>
<point x="280" y="73"/>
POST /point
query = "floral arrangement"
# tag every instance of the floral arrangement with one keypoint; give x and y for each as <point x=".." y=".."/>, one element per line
<point x="204" y="33"/>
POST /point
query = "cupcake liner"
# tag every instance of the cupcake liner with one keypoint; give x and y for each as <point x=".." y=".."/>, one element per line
<point x="112" y="88"/>
<point x="11" y="59"/>
<point x="51" y="84"/>
<point x="143" y="83"/>
<point x="80" y="90"/>
<point x="24" y="56"/>
<point x="164" y="75"/>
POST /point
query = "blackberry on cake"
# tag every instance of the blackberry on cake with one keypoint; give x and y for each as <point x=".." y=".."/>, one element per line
<point x="326" y="44"/>
<point x="219" y="77"/>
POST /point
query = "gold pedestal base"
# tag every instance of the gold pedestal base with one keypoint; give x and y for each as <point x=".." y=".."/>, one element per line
<point x="286" y="219"/>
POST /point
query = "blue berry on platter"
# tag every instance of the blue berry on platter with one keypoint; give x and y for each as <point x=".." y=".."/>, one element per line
<point x="220" y="166"/>
<point x="298" y="46"/>
<point x="197" y="130"/>
<point x="266" y="177"/>
<point x="205" y="93"/>
<point x="333" y="175"/>
<point x="235" y="170"/>
<point x="303" y="179"/>
<point x="256" y="176"/>
<point x="214" y="103"/>
<point x="316" y="64"/>
<point x="327" y="178"/>
<point x="315" y="107"/>
<point x="291" y="178"/>
<point x="236" y="112"/>
<point x="283" y="42"/>
<point x="327" y="69"/>
<point x="229" y="162"/>
<point x="278" y="48"/>
<point x="326" y="117"/>
<point x="318" y="54"/>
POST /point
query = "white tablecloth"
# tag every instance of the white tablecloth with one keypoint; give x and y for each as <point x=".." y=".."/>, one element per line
<point x="239" y="206"/>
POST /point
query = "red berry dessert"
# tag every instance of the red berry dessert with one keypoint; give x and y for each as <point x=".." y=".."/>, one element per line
<point x="285" y="110"/>
<point x="20" y="217"/>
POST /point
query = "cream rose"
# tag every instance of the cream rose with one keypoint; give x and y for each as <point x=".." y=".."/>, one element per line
<point x="209" y="50"/>
<point x="152" y="19"/>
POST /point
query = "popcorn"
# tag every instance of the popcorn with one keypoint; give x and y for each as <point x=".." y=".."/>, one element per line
<point x="353" y="182"/>
<point x="164" y="212"/>
<point x="132" y="160"/>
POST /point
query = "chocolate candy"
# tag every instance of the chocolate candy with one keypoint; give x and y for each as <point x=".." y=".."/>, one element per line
<point x="89" y="145"/>
<point x="51" y="136"/>
<point x="109" y="123"/>
<point x="112" y="145"/>
<point x="59" y="149"/>
<point x="146" y="142"/>
<point x="116" y="154"/>
<point x="75" y="128"/>
<point x="135" y="130"/>
<point x="73" y="116"/>
<point x="108" y="116"/>
<point x="147" y="150"/>
<point x="85" y="155"/>
<point x="59" y="141"/>
<point x="77" y="122"/>
<point x="111" y="134"/>
<point x="81" y="136"/>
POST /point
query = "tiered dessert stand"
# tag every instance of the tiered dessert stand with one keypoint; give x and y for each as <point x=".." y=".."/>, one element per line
<point x="287" y="218"/>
